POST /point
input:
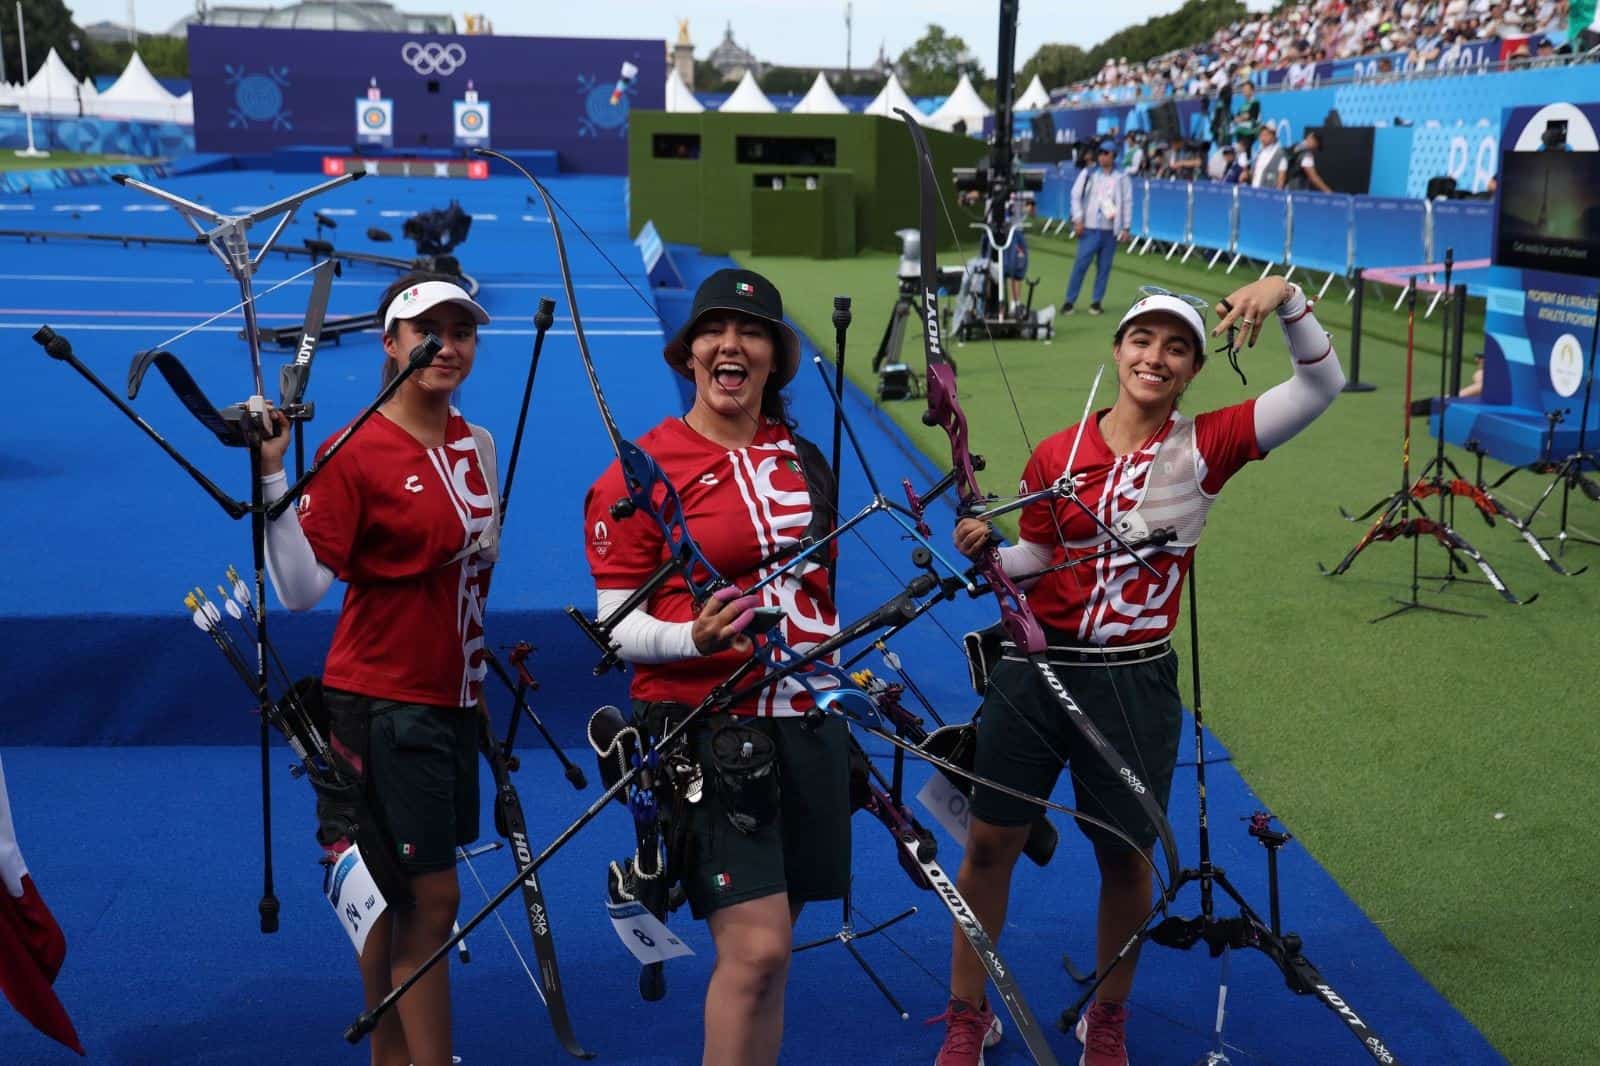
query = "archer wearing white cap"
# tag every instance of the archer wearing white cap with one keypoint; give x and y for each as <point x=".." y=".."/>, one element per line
<point x="406" y="515"/>
<point x="1151" y="473"/>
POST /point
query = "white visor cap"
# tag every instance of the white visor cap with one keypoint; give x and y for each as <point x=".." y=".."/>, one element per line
<point x="424" y="296"/>
<point x="1171" y="305"/>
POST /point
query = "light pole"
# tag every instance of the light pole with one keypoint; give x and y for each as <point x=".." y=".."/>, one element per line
<point x="29" y="152"/>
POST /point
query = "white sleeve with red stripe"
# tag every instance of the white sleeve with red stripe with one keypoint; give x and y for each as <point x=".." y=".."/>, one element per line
<point x="1291" y="406"/>
<point x="299" y="580"/>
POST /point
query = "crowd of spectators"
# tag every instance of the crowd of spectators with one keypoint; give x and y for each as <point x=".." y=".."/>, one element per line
<point x="1425" y="34"/>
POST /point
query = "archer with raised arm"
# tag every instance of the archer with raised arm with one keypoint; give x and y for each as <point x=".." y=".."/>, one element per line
<point x="1150" y="473"/>
<point x="405" y="516"/>
<point x="765" y="828"/>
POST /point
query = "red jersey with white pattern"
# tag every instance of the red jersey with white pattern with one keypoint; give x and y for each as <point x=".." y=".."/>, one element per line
<point x="1168" y="482"/>
<point x="741" y="506"/>
<point x="388" y="516"/>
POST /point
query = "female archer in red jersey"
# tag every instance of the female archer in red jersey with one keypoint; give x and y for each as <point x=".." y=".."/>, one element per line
<point x="1141" y="466"/>
<point x="749" y="488"/>
<point x="404" y="514"/>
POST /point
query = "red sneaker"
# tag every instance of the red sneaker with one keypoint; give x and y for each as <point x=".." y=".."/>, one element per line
<point x="1101" y="1029"/>
<point x="968" y="1030"/>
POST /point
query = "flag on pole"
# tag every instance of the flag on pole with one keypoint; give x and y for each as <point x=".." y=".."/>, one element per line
<point x="32" y="945"/>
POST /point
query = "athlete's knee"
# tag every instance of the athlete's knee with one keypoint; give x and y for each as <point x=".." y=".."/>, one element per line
<point x="993" y="847"/>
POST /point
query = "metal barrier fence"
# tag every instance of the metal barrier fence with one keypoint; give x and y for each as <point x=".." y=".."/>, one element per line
<point x="1325" y="232"/>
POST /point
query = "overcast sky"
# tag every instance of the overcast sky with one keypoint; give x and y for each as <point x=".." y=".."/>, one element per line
<point x="786" y="32"/>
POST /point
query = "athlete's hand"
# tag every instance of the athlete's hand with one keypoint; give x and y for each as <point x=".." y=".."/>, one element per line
<point x="274" y="447"/>
<point x="1077" y="229"/>
<point x="972" y="536"/>
<point x="1248" y="307"/>
<point x="722" y="621"/>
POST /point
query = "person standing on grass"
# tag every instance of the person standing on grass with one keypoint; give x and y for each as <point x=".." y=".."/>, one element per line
<point x="1142" y="466"/>
<point x="405" y="515"/>
<point x="750" y="488"/>
<point x="1102" y="215"/>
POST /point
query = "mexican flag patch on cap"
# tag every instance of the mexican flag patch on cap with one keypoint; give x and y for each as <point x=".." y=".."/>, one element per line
<point x="744" y="288"/>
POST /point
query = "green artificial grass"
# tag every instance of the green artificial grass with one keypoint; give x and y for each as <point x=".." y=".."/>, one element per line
<point x="59" y="160"/>
<point x="1439" y="767"/>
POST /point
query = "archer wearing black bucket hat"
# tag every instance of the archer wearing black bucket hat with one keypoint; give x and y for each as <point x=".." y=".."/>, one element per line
<point x="747" y="293"/>
<point x="749" y="490"/>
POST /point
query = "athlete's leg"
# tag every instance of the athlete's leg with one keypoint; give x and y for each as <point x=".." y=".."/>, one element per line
<point x="744" y="1001"/>
<point x="985" y="881"/>
<point x="418" y="931"/>
<point x="388" y="1040"/>
<point x="1125" y="886"/>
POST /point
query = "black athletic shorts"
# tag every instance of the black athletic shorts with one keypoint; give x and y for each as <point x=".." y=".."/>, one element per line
<point x="803" y="852"/>
<point x="1024" y="733"/>
<point x="421" y="773"/>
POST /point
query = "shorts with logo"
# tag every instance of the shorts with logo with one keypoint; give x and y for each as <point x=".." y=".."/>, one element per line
<point x="1024" y="734"/>
<point x="421" y="772"/>
<point x="804" y="852"/>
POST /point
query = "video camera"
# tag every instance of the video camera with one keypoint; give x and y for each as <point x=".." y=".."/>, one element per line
<point x="437" y="231"/>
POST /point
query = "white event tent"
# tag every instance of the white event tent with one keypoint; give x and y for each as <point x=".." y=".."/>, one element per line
<point x="892" y="97"/>
<point x="680" y="97"/>
<point x="820" y="99"/>
<point x="1034" y="96"/>
<point x="52" y="90"/>
<point x="137" y="95"/>
<point x="748" y="98"/>
<point x="963" y="105"/>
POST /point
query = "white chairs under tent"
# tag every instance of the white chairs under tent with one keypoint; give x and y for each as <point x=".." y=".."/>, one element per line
<point x="963" y="105"/>
<point x="748" y="98"/>
<point x="1034" y="96"/>
<point x="820" y="99"/>
<point x="891" y="98"/>
<point x="680" y="97"/>
<point x="138" y="95"/>
<point x="52" y="90"/>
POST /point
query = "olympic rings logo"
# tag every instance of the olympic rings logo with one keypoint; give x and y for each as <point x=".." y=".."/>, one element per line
<point x="433" y="57"/>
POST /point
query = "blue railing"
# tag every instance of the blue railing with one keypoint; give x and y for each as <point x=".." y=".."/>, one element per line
<point x="1325" y="232"/>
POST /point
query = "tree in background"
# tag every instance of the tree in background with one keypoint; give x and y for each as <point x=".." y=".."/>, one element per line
<point x="935" y="62"/>
<point x="167" y="57"/>
<point x="1187" y="27"/>
<point x="49" y="25"/>
<point x="778" y="80"/>
<point x="708" y="79"/>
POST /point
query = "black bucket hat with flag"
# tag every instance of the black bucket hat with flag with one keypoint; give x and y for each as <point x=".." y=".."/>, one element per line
<point x="748" y="293"/>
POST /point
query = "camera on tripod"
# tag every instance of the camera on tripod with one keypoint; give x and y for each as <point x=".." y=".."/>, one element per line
<point x="437" y="231"/>
<point x="896" y="380"/>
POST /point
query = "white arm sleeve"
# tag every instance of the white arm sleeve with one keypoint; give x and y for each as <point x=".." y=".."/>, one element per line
<point x="643" y="638"/>
<point x="297" y="577"/>
<point x="1024" y="557"/>
<point x="1290" y="406"/>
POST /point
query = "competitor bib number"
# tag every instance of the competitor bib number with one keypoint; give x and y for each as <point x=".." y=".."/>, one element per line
<point x="643" y="934"/>
<point x="949" y="807"/>
<point x="354" y="896"/>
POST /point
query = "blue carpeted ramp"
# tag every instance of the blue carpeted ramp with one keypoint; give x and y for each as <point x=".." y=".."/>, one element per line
<point x="149" y="854"/>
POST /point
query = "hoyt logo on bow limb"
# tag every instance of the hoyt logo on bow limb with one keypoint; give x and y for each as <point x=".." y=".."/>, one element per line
<point x="524" y="856"/>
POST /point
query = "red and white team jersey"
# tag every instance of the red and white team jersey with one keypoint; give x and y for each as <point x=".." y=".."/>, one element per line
<point x="741" y="506"/>
<point x="388" y="516"/>
<point x="1169" y="482"/>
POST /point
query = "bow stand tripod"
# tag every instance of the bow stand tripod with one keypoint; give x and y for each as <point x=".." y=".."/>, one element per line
<point x="1219" y="934"/>
<point x="1395" y="519"/>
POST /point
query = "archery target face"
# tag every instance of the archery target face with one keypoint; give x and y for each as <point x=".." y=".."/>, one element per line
<point x="374" y="118"/>
<point x="1566" y="365"/>
<point x="471" y="120"/>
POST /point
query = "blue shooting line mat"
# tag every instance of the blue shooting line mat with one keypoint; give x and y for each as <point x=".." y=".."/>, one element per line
<point x="149" y="853"/>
